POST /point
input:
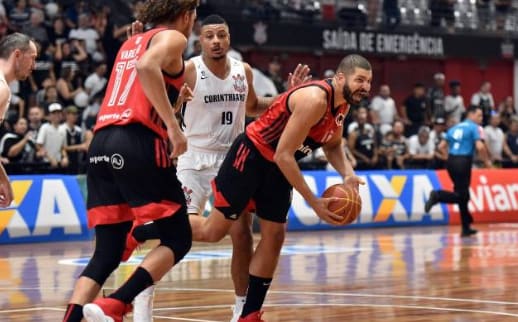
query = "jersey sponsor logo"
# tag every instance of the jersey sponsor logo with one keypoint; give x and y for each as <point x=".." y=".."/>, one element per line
<point x="224" y="98"/>
<point x="117" y="161"/>
<point x="99" y="158"/>
<point x="239" y="83"/>
<point x="203" y="75"/>
<point x="126" y="114"/>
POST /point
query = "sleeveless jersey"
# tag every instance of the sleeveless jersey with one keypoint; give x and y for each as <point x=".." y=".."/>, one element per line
<point x="6" y="107"/>
<point x="125" y="101"/>
<point x="216" y="114"/>
<point x="266" y="131"/>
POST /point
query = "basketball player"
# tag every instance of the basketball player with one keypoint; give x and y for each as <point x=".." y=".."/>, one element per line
<point x="222" y="94"/>
<point x="262" y="165"/>
<point x="130" y="175"/>
<point x="461" y="141"/>
<point x="17" y="58"/>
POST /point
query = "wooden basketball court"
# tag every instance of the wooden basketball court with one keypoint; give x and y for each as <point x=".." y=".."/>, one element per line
<point x="398" y="274"/>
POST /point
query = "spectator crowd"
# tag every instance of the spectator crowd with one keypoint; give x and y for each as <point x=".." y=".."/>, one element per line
<point x="382" y="135"/>
<point x="49" y="123"/>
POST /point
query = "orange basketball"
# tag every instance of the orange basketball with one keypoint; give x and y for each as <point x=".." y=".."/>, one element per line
<point x="348" y="206"/>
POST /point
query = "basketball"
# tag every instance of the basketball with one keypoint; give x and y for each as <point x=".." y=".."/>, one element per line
<point x="348" y="206"/>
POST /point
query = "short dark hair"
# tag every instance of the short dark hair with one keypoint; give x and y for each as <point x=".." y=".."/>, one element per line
<point x="213" y="20"/>
<point x="12" y="42"/>
<point x="350" y="62"/>
<point x="473" y="108"/>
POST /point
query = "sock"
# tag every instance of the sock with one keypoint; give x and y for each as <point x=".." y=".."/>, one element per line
<point x="240" y="301"/>
<point x="139" y="281"/>
<point x="74" y="313"/>
<point x="257" y="288"/>
<point x="146" y="232"/>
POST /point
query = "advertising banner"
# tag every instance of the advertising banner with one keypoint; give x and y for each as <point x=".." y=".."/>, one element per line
<point x="45" y="208"/>
<point x="493" y="195"/>
<point x="389" y="198"/>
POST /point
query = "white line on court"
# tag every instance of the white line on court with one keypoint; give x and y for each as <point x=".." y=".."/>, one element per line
<point x="413" y="307"/>
<point x="343" y="294"/>
<point x="180" y="319"/>
<point x="408" y="297"/>
<point x="33" y="309"/>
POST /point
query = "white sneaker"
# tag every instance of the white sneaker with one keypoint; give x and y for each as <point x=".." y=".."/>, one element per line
<point x="143" y="305"/>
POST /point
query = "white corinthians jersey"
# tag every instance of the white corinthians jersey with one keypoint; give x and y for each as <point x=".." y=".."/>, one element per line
<point x="216" y="114"/>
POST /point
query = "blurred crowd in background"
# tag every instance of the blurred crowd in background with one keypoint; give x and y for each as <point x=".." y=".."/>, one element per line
<point x="53" y="113"/>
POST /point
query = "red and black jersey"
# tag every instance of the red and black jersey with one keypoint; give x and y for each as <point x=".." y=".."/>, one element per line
<point x="266" y="131"/>
<point x="125" y="101"/>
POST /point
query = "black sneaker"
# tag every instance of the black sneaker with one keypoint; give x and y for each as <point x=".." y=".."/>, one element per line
<point x="468" y="232"/>
<point x="432" y="200"/>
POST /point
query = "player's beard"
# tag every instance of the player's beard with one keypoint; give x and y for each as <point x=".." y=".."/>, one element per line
<point x="349" y="95"/>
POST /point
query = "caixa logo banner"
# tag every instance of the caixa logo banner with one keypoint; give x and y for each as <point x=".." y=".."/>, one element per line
<point x="45" y="208"/>
<point x="389" y="198"/>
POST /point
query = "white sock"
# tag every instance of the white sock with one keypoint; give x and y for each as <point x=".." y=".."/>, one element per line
<point x="240" y="302"/>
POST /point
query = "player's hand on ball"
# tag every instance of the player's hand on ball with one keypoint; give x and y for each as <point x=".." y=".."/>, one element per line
<point x="353" y="181"/>
<point x="321" y="208"/>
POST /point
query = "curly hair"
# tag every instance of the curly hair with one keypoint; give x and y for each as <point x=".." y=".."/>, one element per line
<point x="162" y="11"/>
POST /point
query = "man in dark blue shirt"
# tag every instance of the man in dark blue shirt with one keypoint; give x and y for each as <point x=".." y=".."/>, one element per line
<point x="461" y="140"/>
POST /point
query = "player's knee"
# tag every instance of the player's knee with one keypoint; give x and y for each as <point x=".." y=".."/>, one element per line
<point x="241" y="236"/>
<point x="179" y="246"/>
<point x="274" y="237"/>
<point x="176" y="234"/>
<point x="100" y="267"/>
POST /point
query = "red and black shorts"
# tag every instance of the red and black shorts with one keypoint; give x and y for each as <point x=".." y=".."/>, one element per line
<point x="246" y="175"/>
<point x="130" y="177"/>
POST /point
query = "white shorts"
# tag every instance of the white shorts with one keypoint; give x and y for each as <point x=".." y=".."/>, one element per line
<point x="195" y="170"/>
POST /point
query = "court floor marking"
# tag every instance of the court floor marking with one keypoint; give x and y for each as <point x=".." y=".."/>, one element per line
<point x="180" y="319"/>
<point x="412" y="307"/>
<point x="343" y="294"/>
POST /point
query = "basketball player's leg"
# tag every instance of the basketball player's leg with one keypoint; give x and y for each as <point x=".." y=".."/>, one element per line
<point x="154" y="194"/>
<point x="109" y="244"/>
<point x="109" y="213"/>
<point x="195" y="190"/>
<point x="242" y="250"/>
<point x="272" y="200"/>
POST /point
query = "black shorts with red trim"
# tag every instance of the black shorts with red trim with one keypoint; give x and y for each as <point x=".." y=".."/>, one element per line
<point x="246" y="175"/>
<point x="130" y="177"/>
